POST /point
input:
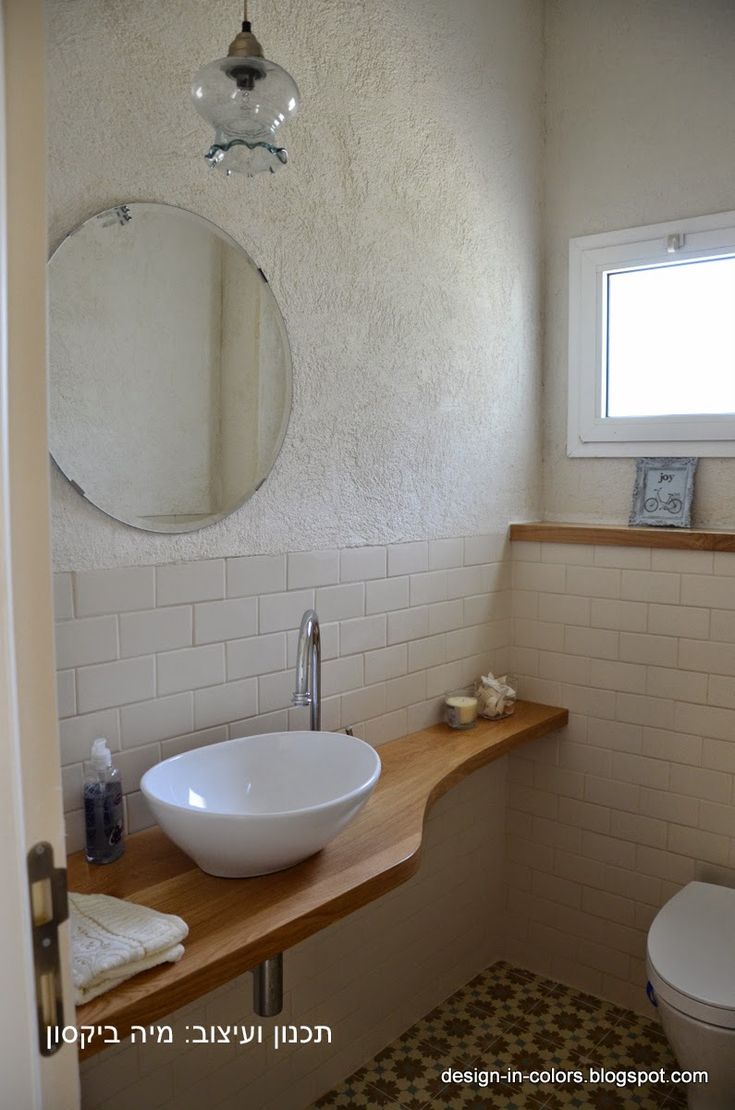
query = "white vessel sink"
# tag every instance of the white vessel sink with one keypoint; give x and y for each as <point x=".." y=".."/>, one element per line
<point x="261" y="803"/>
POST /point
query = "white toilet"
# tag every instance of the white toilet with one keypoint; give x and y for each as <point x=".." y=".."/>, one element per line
<point x="691" y="966"/>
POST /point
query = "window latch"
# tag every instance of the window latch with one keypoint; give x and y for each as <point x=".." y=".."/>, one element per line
<point x="674" y="242"/>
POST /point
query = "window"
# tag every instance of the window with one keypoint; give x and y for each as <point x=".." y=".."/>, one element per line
<point x="652" y="340"/>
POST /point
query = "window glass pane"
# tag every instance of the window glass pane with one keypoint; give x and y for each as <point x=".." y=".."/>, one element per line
<point x="671" y="339"/>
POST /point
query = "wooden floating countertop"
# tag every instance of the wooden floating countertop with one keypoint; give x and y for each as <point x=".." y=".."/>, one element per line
<point x="234" y="924"/>
<point x="687" y="539"/>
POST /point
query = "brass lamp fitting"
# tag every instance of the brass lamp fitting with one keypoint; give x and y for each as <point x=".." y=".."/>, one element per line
<point x="245" y="44"/>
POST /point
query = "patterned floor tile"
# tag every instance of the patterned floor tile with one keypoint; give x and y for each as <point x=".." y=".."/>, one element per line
<point x="353" y="1095"/>
<point x="635" y="1046"/>
<point x="457" y="1029"/>
<point x="409" y="1070"/>
<point x="641" y="1046"/>
<point x="591" y="1099"/>
<point x="513" y="1022"/>
<point x="521" y="1052"/>
<point x="505" y="993"/>
<point x="452" y="1098"/>
<point x="571" y="996"/>
<point x="677" y="1099"/>
<point x="566" y="1021"/>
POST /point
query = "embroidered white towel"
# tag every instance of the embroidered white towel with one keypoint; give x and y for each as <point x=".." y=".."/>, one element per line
<point x="112" y="940"/>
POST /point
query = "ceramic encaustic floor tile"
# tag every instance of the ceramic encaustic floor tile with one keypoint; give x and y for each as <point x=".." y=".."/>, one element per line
<point x="566" y="1024"/>
<point x="519" y="1053"/>
<point x="640" y="1048"/>
<point x="511" y="1022"/>
<point x="468" y="1098"/>
<point x="456" y="1031"/>
<point x="566" y="995"/>
<point x="354" y="1094"/>
<point x="601" y="1099"/>
<point x="409" y="1072"/>
<point x="507" y="995"/>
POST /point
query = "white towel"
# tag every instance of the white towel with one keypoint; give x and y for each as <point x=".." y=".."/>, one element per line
<point x="112" y="940"/>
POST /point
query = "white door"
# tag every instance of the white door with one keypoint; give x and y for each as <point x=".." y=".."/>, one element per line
<point x="30" y="777"/>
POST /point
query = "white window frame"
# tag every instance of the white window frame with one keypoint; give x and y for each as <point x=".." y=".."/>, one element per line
<point x="591" y="259"/>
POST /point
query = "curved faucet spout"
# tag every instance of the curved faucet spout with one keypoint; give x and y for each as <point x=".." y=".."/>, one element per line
<point x="309" y="667"/>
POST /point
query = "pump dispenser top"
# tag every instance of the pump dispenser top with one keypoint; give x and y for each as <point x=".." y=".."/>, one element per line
<point x="101" y="755"/>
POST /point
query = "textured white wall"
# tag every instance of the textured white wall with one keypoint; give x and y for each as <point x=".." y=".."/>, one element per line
<point x="640" y="128"/>
<point x="402" y="244"/>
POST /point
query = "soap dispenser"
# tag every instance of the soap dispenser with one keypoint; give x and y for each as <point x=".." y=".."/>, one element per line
<point x="103" y="806"/>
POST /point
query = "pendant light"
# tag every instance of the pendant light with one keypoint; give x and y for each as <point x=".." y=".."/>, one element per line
<point x="247" y="99"/>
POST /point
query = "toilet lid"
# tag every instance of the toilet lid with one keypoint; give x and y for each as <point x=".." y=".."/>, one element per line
<point x="691" y="950"/>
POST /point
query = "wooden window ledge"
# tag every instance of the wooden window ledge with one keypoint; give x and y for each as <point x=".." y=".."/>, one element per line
<point x="234" y="924"/>
<point x="614" y="535"/>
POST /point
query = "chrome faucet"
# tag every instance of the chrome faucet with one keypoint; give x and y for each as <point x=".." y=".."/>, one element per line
<point x="309" y="668"/>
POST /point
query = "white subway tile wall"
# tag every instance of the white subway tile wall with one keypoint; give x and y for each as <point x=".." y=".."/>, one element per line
<point x="635" y="798"/>
<point x="605" y="821"/>
<point x="162" y="659"/>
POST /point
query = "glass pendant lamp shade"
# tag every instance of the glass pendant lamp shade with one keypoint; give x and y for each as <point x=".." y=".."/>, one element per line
<point x="247" y="99"/>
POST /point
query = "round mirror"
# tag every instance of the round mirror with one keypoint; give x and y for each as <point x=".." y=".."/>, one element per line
<point x="170" y="368"/>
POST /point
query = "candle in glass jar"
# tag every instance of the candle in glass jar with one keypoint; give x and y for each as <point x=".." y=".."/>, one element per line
<point x="461" y="710"/>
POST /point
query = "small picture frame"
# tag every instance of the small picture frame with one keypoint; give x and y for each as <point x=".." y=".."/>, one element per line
<point x="663" y="492"/>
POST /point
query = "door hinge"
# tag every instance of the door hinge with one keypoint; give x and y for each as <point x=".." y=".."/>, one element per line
<point x="49" y="908"/>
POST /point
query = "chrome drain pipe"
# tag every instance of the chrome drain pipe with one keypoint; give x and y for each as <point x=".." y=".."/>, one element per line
<point x="268" y="987"/>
